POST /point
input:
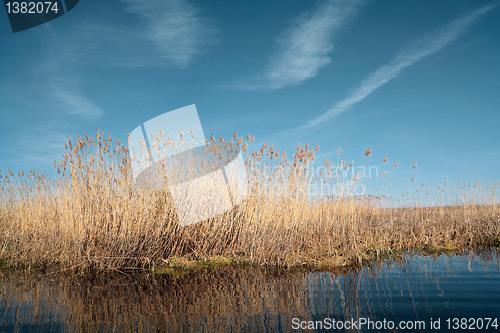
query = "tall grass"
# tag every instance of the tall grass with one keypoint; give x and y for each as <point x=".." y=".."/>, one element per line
<point x="94" y="216"/>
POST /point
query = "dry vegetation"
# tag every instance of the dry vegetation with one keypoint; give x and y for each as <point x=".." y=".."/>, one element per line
<point x="93" y="216"/>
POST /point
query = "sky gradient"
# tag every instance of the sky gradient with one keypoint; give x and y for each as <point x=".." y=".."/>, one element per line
<point x="412" y="80"/>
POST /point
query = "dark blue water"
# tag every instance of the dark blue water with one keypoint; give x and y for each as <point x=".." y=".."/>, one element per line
<point x="460" y="292"/>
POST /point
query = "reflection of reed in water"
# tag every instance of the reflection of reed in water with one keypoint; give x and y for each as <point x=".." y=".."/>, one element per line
<point x="406" y="288"/>
<point x="236" y="299"/>
<point x="231" y="299"/>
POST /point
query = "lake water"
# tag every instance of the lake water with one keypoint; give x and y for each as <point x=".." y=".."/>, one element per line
<point x="410" y="290"/>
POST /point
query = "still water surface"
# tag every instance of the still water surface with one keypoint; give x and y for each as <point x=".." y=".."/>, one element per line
<point x="409" y="288"/>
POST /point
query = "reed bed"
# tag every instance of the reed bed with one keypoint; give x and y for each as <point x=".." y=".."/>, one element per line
<point x="94" y="216"/>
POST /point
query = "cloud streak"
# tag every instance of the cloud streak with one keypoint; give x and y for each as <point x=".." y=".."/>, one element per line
<point x="72" y="101"/>
<point x="304" y="49"/>
<point x="410" y="55"/>
<point x="174" y="27"/>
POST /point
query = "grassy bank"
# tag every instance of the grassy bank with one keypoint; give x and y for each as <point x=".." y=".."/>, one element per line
<point x="93" y="216"/>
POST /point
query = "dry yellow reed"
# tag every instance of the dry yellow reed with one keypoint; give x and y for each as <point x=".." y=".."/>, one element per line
<point x="94" y="216"/>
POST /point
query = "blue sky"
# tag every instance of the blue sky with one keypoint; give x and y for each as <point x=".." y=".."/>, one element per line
<point x="413" y="80"/>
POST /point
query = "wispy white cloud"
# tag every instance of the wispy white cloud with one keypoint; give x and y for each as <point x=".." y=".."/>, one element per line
<point x="174" y="27"/>
<point x="168" y="33"/>
<point x="63" y="91"/>
<point x="100" y="43"/>
<point x="305" y="47"/>
<point x="40" y="140"/>
<point x="58" y="106"/>
<point x="410" y="55"/>
<point x="70" y="100"/>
